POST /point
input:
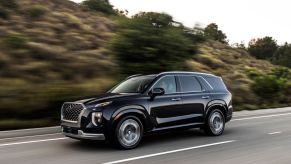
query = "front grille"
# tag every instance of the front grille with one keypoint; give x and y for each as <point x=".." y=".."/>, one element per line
<point x="71" y="111"/>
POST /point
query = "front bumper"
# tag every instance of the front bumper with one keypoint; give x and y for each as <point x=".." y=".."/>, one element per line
<point x="79" y="134"/>
<point x="229" y="113"/>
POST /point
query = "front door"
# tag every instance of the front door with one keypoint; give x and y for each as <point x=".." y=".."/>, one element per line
<point x="165" y="109"/>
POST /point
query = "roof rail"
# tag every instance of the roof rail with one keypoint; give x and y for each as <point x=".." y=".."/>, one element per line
<point x="187" y="72"/>
<point x="134" y="76"/>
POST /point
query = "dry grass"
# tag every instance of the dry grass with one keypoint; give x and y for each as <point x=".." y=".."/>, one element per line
<point x="233" y="65"/>
<point x="51" y="51"/>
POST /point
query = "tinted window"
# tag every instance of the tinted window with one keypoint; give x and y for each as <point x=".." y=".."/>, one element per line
<point x="168" y="83"/>
<point x="216" y="83"/>
<point x="133" y="85"/>
<point x="189" y="84"/>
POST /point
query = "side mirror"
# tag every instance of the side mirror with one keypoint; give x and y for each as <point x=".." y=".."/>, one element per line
<point x="157" y="92"/>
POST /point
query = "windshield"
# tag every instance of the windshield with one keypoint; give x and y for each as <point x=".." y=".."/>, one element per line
<point x="133" y="85"/>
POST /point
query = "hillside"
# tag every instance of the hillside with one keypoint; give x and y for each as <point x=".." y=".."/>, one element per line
<point x="233" y="65"/>
<point x="49" y="58"/>
<point x="55" y="50"/>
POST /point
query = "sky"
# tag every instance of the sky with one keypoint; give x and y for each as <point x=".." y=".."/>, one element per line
<point x="240" y="20"/>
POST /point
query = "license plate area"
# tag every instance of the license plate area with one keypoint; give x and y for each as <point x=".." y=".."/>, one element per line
<point x="70" y="130"/>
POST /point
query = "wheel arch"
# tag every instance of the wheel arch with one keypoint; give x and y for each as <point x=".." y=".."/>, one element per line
<point x="216" y="104"/>
<point x="135" y="110"/>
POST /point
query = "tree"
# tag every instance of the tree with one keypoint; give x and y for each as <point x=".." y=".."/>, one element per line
<point x="99" y="5"/>
<point x="283" y="55"/>
<point x="150" y="43"/>
<point x="240" y="45"/>
<point x="159" y="20"/>
<point x="196" y="34"/>
<point x="212" y="32"/>
<point x="263" y="48"/>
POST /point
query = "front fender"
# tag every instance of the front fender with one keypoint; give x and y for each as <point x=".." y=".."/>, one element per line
<point x="131" y="109"/>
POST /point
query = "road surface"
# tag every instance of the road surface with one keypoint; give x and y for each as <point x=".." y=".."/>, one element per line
<point x="257" y="137"/>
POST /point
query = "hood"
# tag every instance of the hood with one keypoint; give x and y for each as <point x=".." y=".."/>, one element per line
<point x="105" y="97"/>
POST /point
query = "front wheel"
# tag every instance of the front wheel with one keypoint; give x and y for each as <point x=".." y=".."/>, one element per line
<point x="215" y="123"/>
<point x="128" y="132"/>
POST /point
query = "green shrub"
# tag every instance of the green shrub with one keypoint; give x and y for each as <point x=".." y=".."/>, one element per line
<point x="272" y="84"/>
<point x="99" y="5"/>
<point x="267" y="86"/>
<point x="253" y="73"/>
<point x="12" y="4"/>
<point x="15" y="40"/>
<point x="282" y="72"/>
<point x="4" y="13"/>
<point x="36" y="11"/>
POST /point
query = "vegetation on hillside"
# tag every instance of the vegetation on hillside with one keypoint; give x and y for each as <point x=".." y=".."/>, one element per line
<point x="268" y="48"/>
<point x="50" y="51"/>
<point x="151" y="43"/>
<point x="263" y="48"/>
<point x="99" y="5"/>
<point x="283" y="56"/>
<point x="212" y="32"/>
<point x="236" y="66"/>
<point x="56" y="50"/>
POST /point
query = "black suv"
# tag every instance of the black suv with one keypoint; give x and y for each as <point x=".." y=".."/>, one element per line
<point x="143" y="104"/>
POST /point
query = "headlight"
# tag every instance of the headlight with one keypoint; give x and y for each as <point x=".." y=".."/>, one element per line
<point x="96" y="118"/>
<point x="103" y="104"/>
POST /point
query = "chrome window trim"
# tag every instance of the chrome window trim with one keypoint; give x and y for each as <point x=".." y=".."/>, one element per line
<point x="189" y="74"/>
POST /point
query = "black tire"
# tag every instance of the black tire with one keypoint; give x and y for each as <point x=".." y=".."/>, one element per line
<point x="128" y="123"/>
<point x="214" y="123"/>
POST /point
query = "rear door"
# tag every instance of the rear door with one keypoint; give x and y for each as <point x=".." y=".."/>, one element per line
<point x="194" y="97"/>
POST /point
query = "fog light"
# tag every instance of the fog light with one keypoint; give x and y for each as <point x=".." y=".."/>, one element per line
<point x="96" y="118"/>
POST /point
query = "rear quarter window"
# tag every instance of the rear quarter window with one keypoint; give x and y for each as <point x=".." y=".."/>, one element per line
<point x="216" y="83"/>
<point x="189" y="84"/>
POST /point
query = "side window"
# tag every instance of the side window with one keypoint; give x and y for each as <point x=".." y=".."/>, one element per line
<point x="189" y="84"/>
<point x="168" y="83"/>
<point x="216" y="83"/>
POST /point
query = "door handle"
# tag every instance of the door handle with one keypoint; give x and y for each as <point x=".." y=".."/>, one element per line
<point x="205" y="97"/>
<point x="176" y="99"/>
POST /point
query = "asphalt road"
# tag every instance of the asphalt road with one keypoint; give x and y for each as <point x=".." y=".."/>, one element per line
<point x="256" y="138"/>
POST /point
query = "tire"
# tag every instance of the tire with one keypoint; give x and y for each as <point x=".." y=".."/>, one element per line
<point x="215" y="123"/>
<point x="128" y="132"/>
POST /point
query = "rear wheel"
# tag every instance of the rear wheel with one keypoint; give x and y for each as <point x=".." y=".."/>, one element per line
<point x="215" y="123"/>
<point x="128" y="132"/>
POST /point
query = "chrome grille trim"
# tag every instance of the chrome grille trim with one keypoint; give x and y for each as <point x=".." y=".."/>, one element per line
<point x="71" y="112"/>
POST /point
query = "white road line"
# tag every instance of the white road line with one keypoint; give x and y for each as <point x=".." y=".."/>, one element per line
<point x="274" y="133"/>
<point x="265" y="116"/>
<point x="168" y="152"/>
<point x="32" y="129"/>
<point x="35" y="141"/>
<point x="41" y="135"/>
